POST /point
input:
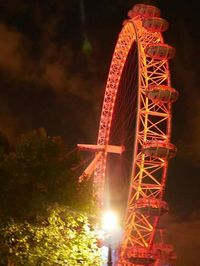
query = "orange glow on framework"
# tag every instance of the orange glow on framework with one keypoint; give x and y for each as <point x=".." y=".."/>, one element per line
<point x="153" y="131"/>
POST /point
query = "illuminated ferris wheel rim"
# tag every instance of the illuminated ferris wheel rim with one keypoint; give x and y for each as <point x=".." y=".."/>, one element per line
<point x="152" y="147"/>
<point x="132" y="27"/>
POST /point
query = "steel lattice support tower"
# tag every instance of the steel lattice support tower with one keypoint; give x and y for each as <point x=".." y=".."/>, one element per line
<point x="152" y="144"/>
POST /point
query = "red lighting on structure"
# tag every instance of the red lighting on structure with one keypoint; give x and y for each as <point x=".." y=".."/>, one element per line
<point x="152" y="144"/>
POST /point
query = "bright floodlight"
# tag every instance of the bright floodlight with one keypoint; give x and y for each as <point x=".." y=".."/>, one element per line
<point x="109" y="221"/>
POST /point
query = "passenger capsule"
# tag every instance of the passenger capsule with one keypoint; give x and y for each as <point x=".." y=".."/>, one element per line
<point x="145" y="11"/>
<point x="160" y="51"/>
<point x="139" y="255"/>
<point x="159" y="149"/>
<point x="151" y="206"/>
<point x="162" y="93"/>
<point x="155" y="24"/>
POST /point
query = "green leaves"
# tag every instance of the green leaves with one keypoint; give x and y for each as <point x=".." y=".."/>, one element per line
<point x="64" y="237"/>
<point x="36" y="174"/>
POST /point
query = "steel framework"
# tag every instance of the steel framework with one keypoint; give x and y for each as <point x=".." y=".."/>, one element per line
<point x="152" y="147"/>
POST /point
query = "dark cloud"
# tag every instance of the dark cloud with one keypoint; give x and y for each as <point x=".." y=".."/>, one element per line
<point x="10" y="43"/>
<point x="185" y="77"/>
<point x="183" y="234"/>
<point x="43" y="75"/>
<point x="52" y="69"/>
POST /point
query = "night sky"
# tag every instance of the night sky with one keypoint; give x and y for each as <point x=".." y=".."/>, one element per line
<point x="54" y="61"/>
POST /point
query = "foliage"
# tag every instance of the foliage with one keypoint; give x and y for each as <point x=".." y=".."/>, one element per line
<point x="35" y="174"/>
<point x="63" y="238"/>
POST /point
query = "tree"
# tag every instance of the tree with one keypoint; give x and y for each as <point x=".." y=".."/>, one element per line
<point x="36" y="174"/>
<point x="64" y="237"/>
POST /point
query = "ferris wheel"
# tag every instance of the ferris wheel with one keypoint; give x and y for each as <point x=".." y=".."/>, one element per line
<point x="135" y="126"/>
